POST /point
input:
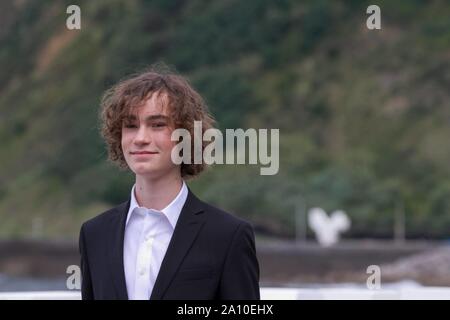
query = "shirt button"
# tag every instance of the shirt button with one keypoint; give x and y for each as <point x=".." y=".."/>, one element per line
<point x="142" y="272"/>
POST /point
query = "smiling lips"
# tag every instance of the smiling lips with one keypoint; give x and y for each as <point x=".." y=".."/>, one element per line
<point x="143" y="152"/>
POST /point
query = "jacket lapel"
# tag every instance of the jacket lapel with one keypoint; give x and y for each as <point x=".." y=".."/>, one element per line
<point x="115" y="249"/>
<point x="188" y="225"/>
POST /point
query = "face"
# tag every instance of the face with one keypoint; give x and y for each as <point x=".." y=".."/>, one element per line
<point x="146" y="142"/>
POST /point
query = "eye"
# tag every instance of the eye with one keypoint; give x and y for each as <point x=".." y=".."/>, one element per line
<point x="130" y="125"/>
<point x="159" y="125"/>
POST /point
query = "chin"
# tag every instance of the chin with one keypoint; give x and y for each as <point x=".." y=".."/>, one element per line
<point x="141" y="170"/>
<point x="151" y="171"/>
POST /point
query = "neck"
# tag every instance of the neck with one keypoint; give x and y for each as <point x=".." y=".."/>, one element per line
<point x="156" y="194"/>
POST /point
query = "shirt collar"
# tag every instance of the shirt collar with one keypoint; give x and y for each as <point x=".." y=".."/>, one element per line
<point x="171" y="211"/>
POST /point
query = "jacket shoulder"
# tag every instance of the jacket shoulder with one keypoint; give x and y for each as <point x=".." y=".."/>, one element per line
<point x="223" y="220"/>
<point x="99" y="221"/>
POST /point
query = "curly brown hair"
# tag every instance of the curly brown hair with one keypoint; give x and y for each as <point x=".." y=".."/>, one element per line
<point x="185" y="106"/>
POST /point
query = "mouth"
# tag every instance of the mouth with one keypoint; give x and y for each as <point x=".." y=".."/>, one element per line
<point x="140" y="153"/>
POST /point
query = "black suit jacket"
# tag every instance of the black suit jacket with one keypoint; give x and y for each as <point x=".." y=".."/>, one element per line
<point x="211" y="255"/>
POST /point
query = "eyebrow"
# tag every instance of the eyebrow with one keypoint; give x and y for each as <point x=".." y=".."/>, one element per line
<point x="149" y="118"/>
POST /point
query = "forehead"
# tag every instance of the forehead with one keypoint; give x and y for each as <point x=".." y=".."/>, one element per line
<point x="156" y="104"/>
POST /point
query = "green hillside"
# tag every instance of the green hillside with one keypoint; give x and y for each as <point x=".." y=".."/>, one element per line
<point x="364" y="116"/>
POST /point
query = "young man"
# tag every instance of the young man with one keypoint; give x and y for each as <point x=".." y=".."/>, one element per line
<point x="163" y="243"/>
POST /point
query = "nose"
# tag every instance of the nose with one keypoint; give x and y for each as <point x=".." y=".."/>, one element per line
<point x="142" y="136"/>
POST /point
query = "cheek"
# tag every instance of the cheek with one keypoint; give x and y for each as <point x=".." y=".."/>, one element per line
<point x="125" y="141"/>
<point x="164" y="141"/>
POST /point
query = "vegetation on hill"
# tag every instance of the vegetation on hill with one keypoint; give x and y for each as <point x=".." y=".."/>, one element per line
<point x="363" y="114"/>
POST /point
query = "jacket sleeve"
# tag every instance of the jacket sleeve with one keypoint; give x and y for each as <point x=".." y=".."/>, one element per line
<point x="240" y="275"/>
<point x="86" y="284"/>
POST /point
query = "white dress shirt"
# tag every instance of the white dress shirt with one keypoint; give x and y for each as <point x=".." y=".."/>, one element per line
<point x="147" y="236"/>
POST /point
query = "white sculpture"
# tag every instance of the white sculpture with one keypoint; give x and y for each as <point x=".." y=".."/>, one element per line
<point x="328" y="229"/>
